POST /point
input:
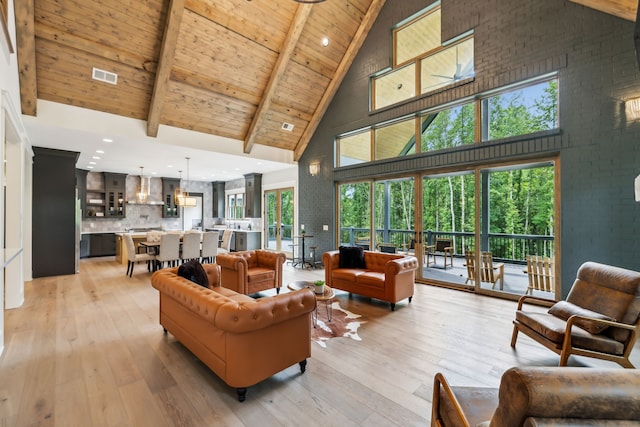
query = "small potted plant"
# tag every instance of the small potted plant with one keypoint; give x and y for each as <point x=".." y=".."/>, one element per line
<point x="319" y="287"/>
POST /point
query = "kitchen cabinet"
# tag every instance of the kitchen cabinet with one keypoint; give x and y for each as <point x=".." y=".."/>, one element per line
<point x="218" y="199"/>
<point x="247" y="240"/>
<point x="102" y="244"/>
<point x="169" y="186"/>
<point x="253" y="195"/>
<point x="103" y="198"/>
<point x="115" y="191"/>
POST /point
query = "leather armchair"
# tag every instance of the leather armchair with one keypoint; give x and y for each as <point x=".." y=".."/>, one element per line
<point x="248" y="272"/>
<point x="599" y="318"/>
<point x="542" y="396"/>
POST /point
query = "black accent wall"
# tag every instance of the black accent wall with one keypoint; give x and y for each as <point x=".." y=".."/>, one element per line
<point x="54" y="212"/>
<point x="594" y="56"/>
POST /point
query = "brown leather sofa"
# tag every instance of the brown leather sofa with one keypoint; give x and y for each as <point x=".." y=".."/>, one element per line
<point x="542" y="396"/>
<point x="388" y="277"/>
<point x="242" y="340"/>
<point x="248" y="272"/>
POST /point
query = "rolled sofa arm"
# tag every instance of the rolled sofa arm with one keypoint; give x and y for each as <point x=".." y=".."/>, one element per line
<point x="231" y="262"/>
<point x="395" y="267"/>
<point x="331" y="261"/>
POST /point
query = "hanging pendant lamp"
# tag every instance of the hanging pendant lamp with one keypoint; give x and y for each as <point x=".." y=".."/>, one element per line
<point x="182" y="195"/>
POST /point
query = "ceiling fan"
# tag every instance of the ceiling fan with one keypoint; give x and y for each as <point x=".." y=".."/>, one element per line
<point x="461" y="72"/>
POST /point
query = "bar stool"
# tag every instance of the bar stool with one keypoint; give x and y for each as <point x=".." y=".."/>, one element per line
<point x="293" y="262"/>
<point x="313" y="255"/>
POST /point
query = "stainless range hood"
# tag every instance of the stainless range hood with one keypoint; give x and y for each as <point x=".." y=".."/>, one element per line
<point x="149" y="202"/>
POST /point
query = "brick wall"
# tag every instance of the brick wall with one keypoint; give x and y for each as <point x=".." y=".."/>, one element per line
<point x="593" y="54"/>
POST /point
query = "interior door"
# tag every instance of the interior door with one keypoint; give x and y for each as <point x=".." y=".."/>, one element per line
<point x="279" y="214"/>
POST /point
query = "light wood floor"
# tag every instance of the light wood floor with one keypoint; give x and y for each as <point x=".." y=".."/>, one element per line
<point x="87" y="350"/>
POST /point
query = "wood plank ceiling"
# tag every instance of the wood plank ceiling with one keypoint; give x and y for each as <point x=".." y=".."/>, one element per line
<point x="233" y="68"/>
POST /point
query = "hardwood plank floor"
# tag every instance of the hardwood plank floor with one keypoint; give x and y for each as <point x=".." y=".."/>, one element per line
<point x="88" y="350"/>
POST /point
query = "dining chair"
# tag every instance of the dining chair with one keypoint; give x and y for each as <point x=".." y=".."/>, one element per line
<point x="190" y="246"/>
<point x="225" y="246"/>
<point x="209" y="246"/>
<point x="169" y="250"/>
<point x="134" y="257"/>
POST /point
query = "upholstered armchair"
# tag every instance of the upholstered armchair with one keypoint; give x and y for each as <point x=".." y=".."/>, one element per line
<point x="248" y="272"/>
<point x="600" y="317"/>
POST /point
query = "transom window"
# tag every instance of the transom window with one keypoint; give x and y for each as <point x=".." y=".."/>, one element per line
<point x="529" y="108"/>
<point x="422" y="63"/>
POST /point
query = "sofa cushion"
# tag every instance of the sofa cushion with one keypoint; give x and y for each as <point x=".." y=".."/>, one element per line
<point x="193" y="270"/>
<point x="259" y="274"/>
<point x="371" y="278"/>
<point x="565" y="309"/>
<point x="351" y="257"/>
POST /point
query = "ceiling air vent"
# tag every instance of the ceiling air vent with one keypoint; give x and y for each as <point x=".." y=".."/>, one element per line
<point x="105" y="76"/>
<point x="287" y="126"/>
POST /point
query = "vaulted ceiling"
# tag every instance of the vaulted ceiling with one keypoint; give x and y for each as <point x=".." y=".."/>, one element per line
<point x="240" y="69"/>
<point x="254" y="71"/>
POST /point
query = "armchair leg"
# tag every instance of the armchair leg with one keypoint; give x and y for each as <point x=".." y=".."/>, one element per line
<point x="303" y="366"/>
<point x="514" y="336"/>
<point x="393" y="307"/>
<point x="242" y="393"/>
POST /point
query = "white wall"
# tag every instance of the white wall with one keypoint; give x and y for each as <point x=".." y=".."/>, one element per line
<point x="16" y="150"/>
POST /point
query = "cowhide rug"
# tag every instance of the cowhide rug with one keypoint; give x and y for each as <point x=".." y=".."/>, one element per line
<point x="343" y="324"/>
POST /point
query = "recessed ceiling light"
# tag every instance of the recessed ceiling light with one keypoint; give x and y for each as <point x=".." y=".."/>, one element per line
<point x="89" y="167"/>
<point x="96" y="157"/>
<point x="325" y="41"/>
<point x="92" y="163"/>
<point x="100" y="151"/>
<point x="107" y="140"/>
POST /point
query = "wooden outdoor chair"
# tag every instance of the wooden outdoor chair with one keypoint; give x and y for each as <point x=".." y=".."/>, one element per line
<point x="490" y="272"/>
<point x="388" y="248"/>
<point x="442" y="247"/>
<point x="541" y="274"/>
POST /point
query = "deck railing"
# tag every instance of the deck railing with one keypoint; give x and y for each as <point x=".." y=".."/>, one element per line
<point x="511" y="248"/>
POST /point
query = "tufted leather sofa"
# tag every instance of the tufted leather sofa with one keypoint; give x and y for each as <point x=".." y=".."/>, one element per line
<point x="248" y="272"/>
<point x="542" y="396"/>
<point x="242" y="340"/>
<point x="388" y="277"/>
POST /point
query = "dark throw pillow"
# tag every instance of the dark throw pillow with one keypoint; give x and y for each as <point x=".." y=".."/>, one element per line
<point x="193" y="270"/>
<point x="351" y="257"/>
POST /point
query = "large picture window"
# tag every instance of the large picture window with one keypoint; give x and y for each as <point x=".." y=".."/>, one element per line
<point x="521" y="111"/>
<point x="395" y="140"/>
<point x="448" y="128"/>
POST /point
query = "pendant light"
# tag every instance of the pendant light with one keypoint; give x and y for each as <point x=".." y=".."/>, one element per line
<point x="182" y="195"/>
<point x="144" y="188"/>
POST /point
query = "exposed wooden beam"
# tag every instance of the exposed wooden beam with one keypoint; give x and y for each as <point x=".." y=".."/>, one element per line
<point x="26" y="47"/>
<point x="343" y="68"/>
<point x="625" y="9"/>
<point x="165" y="62"/>
<point x="55" y="35"/>
<point x="302" y="14"/>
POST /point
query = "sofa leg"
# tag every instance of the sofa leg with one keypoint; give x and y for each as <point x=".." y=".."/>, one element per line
<point x="277" y="291"/>
<point x="303" y="366"/>
<point x="410" y="299"/>
<point x="393" y="307"/>
<point x="242" y="393"/>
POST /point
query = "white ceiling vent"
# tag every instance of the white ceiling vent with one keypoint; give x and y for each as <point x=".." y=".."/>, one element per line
<point x="105" y="76"/>
<point x="287" y="126"/>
